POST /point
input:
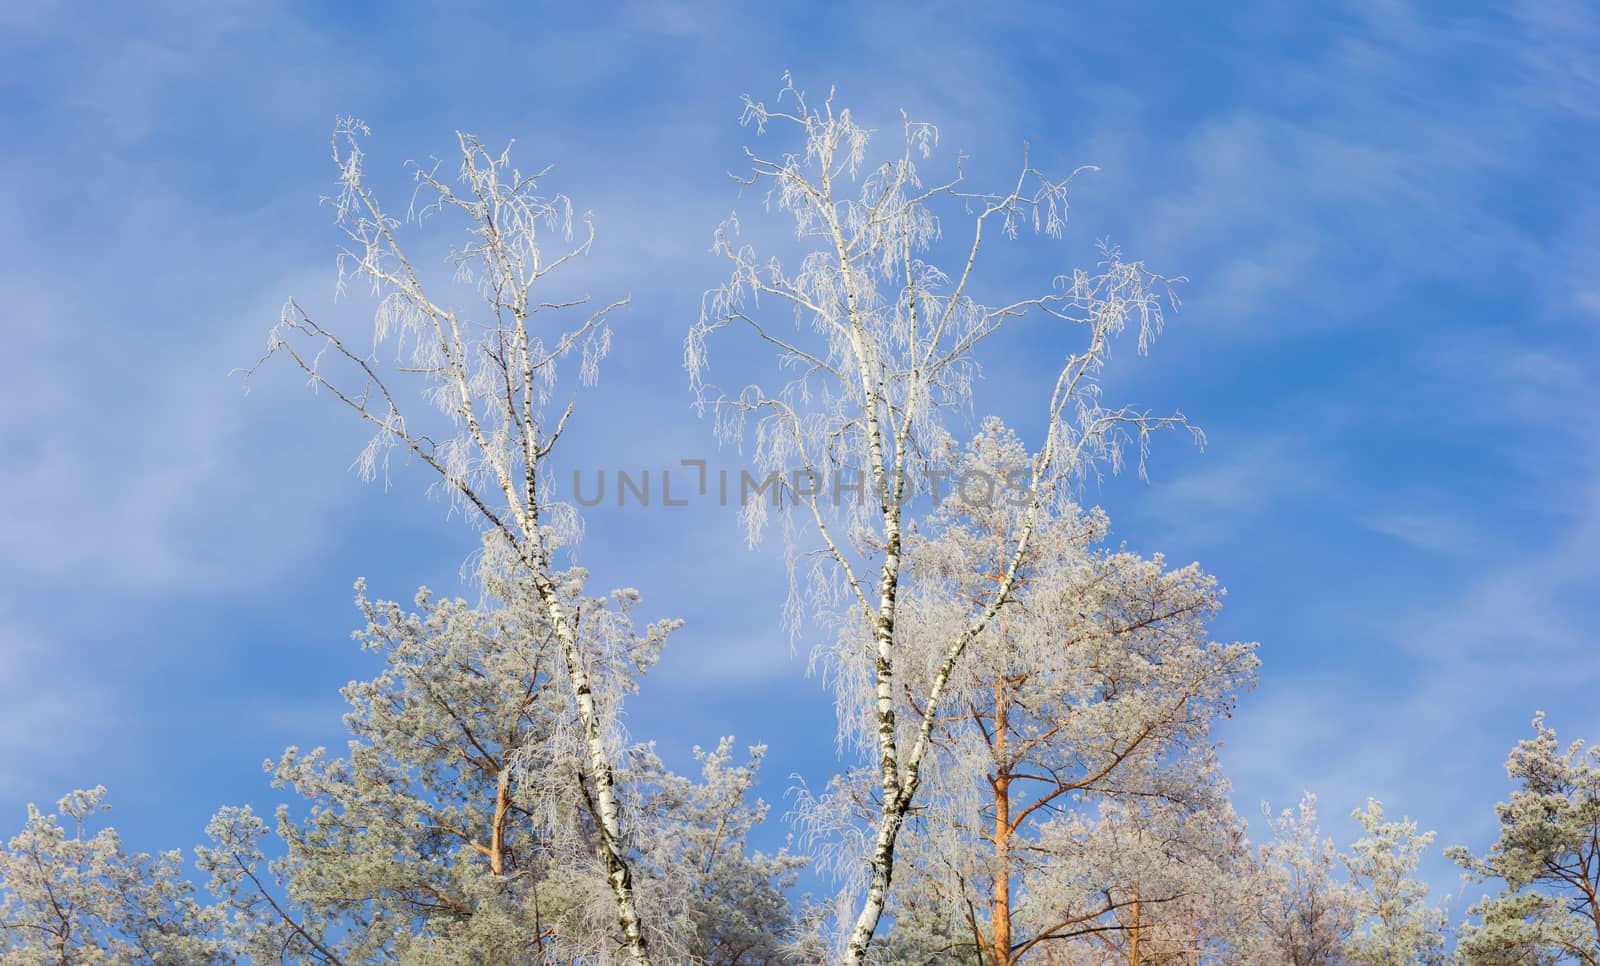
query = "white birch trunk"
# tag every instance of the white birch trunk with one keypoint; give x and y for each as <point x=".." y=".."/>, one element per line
<point x="598" y="775"/>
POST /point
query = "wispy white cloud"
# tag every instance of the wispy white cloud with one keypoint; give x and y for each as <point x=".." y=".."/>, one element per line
<point x="1245" y="482"/>
<point x="1423" y="530"/>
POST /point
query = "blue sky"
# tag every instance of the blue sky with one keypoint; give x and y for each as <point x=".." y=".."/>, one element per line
<point x="1389" y="334"/>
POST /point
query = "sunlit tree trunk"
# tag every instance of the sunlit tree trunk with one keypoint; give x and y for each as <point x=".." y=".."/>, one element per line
<point x="1001" y="905"/>
<point x="1132" y="930"/>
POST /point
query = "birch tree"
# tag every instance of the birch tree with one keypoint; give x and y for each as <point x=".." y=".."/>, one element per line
<point x="1547" y="859"/>
<point x="472" y="395"/>
<point x="71" y="897"/>
<point x="1094" y="687"/>
<point x="878" y="346"/>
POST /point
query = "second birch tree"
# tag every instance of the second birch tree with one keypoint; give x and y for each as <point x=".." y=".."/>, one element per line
<point x="879" y="345"/>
